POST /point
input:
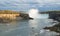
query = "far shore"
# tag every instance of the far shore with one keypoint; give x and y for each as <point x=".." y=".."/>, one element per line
<point x="8" y="15"/>
<point x="13" y="15"/>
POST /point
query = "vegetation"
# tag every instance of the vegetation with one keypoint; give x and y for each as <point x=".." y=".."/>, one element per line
<point x="8" y="12"/>
<point x="52" y="11"/>
<point x="47" y="12"/>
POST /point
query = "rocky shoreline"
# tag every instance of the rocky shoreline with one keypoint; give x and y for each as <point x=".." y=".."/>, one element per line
<point x="54" y="15"/>
<point x="55" y="28"/>
<point x="9" y="15"/>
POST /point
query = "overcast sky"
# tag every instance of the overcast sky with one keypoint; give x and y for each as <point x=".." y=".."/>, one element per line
<point x="28" y="4"/>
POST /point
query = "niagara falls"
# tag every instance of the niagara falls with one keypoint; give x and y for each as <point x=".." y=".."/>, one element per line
<point x="29" y="17"/>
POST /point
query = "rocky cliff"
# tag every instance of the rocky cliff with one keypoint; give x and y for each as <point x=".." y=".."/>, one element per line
<point x="12" y="15"/>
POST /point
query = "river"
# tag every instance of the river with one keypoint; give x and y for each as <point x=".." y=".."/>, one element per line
<point x="27" y="28"/>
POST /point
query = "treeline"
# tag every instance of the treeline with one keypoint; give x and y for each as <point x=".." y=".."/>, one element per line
<point x="52" y="11"/>
<point x="8" y="12"/>
<point x="47" y="12"/>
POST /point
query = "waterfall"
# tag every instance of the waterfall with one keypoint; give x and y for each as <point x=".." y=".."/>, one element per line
<point x="33" y="13"/>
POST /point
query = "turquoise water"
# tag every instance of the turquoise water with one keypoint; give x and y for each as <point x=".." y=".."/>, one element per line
<point x="43" y="16"/>
<point x="27" y="28"/>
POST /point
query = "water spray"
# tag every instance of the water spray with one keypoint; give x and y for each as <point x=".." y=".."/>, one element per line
<point x="33" y="13"/>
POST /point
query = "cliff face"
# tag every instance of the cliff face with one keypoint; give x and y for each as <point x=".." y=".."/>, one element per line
<point x="12" y="15"/>
<point x="7" y="14"/>
<point x="55" y="16"/>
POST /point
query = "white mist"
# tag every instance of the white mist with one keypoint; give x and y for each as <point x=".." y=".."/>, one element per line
<point x="33" y="13"/>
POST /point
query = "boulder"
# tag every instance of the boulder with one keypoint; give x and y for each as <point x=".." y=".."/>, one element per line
<point x="25" y="16"/>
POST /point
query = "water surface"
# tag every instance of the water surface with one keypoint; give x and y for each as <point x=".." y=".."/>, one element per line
<point x="27" y="28"/>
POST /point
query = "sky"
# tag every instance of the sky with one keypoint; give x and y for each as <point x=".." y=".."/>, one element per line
<point x="25" y="5"/>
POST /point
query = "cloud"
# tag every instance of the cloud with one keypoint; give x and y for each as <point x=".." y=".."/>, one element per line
<point x="28" y="4"/>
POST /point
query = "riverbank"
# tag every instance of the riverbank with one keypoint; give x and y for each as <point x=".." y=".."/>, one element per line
<point x="55" y="28"/>
<point x="9" y="15"/>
